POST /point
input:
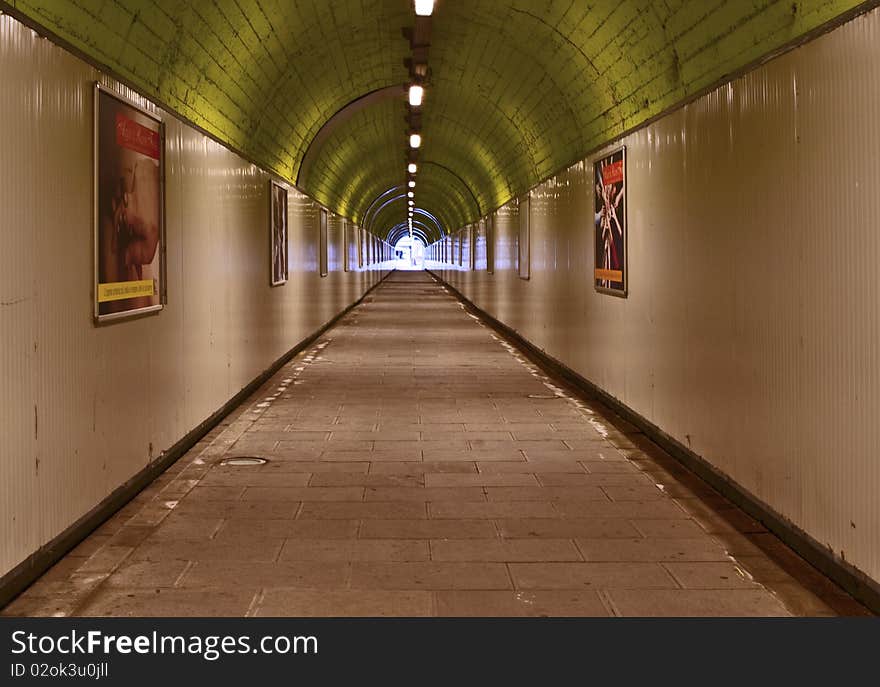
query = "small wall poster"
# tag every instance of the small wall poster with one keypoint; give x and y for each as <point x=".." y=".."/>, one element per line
<point x="609" y="188"/>
<point x="129" y="208"/>
<point x="278" y="232"/>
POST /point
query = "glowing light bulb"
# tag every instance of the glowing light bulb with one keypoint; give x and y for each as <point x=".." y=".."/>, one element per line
<point x="416" y="93"/>
<point x="424" y="8"/>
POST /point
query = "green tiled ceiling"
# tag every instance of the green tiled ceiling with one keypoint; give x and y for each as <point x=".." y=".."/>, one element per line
<point x="519" y="88"/>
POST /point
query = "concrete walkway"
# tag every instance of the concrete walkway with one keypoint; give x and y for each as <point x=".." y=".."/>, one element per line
<point x="418" y="465"/>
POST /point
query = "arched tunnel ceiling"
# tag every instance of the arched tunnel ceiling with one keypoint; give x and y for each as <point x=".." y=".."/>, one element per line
<point x="519" y="89"/>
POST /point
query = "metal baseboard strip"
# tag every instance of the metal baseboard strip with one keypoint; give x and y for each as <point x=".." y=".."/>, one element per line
<point x="848" y="577"/>
<point x="29" y="570"/>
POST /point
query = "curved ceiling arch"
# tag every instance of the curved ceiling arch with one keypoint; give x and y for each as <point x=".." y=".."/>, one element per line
<point x="443" y="169"/>
<point x="517" y="90"/>
<point x="448" y="202"/>
<point x="327" y="129"/>
<point x="361" y="158"/>
<point x="387" y="196"/>
<point x="394" y="213"/>
<point x="401" y="230"/>
<point x="394" y="209"/>
<point x="396" y="194"/>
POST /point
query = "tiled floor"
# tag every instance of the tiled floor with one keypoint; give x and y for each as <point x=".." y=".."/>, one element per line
<point x="419" y="465"/>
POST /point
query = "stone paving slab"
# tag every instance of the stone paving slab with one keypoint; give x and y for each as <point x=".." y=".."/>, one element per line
<point x="420" y="465"/>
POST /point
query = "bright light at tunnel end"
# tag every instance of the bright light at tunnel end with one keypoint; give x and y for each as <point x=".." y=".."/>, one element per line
<point x="424" y="8"/>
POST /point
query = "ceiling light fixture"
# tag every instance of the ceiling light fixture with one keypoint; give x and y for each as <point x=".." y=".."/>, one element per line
<point x="416" y="93"/>
<point x="424" y="8"/>
<point x="412" y="168"/>
<point x="412" y="184"/>
<point x="415" y="141"/>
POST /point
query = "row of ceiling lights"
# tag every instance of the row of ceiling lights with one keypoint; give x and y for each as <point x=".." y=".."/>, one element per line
<point x="423" y="8"/>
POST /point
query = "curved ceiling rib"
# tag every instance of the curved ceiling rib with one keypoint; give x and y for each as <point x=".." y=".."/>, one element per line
<point x="380" y="201"/>
<point x="516" y="91"/>
<point x="402" y="230"/>
<point x="341" y="116"/>
<point x="395" y="212"/>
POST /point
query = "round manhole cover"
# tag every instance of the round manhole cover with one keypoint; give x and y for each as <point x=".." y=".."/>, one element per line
<point x="244" y="461"/>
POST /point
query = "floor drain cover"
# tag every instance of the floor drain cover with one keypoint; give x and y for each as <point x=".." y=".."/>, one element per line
<point x="543" y="396"/>
<point x="244" y="461"/>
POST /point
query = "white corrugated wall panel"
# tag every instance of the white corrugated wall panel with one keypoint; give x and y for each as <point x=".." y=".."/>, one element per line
<point x="751" y="332"/>
<point x="84" y="408"/>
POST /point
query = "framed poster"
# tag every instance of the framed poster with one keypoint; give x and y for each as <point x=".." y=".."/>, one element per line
<point x="278" y="232"/>
<point x="609" y="196"/>
<point x="129" y="208"/>
<point x="524" y="240"/>
<point x="490" y="243"/>
<point x="322" y="242"/>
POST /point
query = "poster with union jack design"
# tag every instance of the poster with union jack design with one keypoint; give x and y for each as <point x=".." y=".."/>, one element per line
<point x="609" y="191"/>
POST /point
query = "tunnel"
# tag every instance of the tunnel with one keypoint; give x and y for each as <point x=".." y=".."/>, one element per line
<point x="484" y="308"/>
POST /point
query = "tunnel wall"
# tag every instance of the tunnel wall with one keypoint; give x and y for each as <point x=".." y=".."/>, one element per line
<point x="751" y="333"/>
<point x="83" y="408"/>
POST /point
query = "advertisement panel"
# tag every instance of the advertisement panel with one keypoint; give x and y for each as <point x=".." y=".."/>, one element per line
<point x="129" y="208"/>
<point x="523" y="243"/>
<point x="278" y="232"/>
<point x="609" y="190"/>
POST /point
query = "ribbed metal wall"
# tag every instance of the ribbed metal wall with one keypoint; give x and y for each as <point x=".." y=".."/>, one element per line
<point x="751" y="330"/>
<point x="84" y="408"/>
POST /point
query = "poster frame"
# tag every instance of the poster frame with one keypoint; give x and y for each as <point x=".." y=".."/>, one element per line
<point x="489" y="224"/>
<point x="346" y="245"/>
<point x="272" y="186"/>
<point x="524" y="237"/>
<point x="323" y="248"/>
<point x="606" y="157"/>
<point x="99" y="90"/>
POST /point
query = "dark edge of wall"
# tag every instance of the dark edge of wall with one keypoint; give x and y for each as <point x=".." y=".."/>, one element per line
<point x="850" y="578"/>
<point x="25" y="573"/>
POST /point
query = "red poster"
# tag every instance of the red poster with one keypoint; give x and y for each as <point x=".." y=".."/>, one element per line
<point x="609" y="197"/>
<point x="133" y="136"/>
<point x="129" y="230"/>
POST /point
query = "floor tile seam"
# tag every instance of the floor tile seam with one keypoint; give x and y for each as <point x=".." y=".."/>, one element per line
<point x="590" y="416"/>
<point x="535" y="372"/>
<point x="87" y="598"/>
<point x="230" y="430"/>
